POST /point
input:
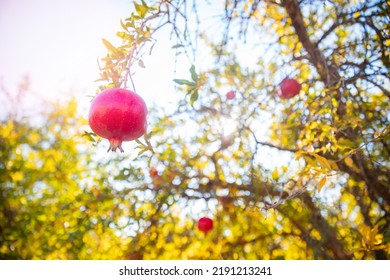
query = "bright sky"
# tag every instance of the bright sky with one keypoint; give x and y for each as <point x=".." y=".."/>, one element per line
<point x="57" y="43"/>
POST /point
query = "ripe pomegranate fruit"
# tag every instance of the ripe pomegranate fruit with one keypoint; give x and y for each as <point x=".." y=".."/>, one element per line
<point x="205" y="224"/>
<point x="153" y="172"/>
<point x="118" y="115"/>
<point x="289" y="88"/>
<point x="230" y="94"/>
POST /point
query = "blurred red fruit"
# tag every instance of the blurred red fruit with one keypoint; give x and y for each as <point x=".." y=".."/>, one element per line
<point x="289" y="88"/>
<point x="205" y="224"/>
<point x="230" y="94"/>
<point x="153" y="172"/>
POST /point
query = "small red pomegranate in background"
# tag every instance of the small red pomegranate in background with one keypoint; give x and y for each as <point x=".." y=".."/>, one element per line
<point x="230" y="94"/>
<point x="289" y="88"/>
<point x="118" y="115"/>
<point x="205" y="224"/>
<point x="153" y="172"/>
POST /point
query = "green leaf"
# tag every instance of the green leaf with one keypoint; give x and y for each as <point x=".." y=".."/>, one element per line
<point x="144" y="4"/>
<point x="139" y="142"/>
<point x="149" y="161"/>
<point x="194" y="97"/>
<point x="191" y="90"/>
<point x="184" y="82"/>
<point x="142" y="151"/>
<point x="346" y="144"/>
<point x="194" y="76"/>
<point x="89" y="136"/>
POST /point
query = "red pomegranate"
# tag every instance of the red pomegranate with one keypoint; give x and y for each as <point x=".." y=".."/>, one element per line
<point x="118" y="115"/>
<point x="230" y="94"/>
<point x="153" y="172"/>
<point x="205" y="224"/>
<point x="289" y="88"/>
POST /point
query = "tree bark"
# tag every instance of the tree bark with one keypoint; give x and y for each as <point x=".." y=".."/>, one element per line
<point x="328" y="71"/>
<point x="328" y="233"/>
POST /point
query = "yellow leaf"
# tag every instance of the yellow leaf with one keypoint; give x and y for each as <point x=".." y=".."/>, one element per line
<point x="321" y="184"/>
<point x="372" y="235"/>
<point x="275" y="174"/>
<point x="356" y="14"/>
<point x="310" y="161"/>
<point x="348" y="161"/>
<point x="364" y="244"/>
<point x="109" y="46"/>
<point x="323" y="162"/>
<point x="299" y="154"/>
<point x="141" y="9"/>
<point x="382" y="247"/>
<point x="334" y="166"/>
